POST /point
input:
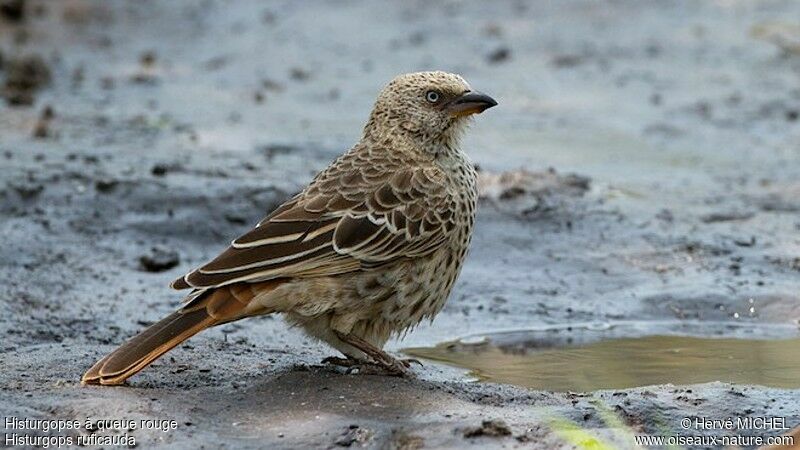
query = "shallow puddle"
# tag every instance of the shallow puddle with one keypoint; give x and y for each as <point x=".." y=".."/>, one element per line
<point x="622" y="362"/>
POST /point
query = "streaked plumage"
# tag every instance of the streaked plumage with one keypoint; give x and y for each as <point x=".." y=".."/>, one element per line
<point x="371" y="247"/>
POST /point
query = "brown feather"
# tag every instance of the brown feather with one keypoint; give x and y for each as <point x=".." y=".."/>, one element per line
<point x="235" y="259"/>
<point x="200" y="279"/>
<point x="273" y="230"/>
<point x="325" y="231"/>
<point x="180" y="284"/>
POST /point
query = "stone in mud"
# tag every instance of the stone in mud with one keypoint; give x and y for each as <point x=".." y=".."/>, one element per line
<point x="272" y="85"/>
<point x="512" y="183"/>
<point x="27" y="189"/>
<point x="159" y="170"/>
<point x="42" y="127"/>
<point x="159" y="259"/>
<point x="567" y="61"/>
<point x="522" y="192"/>
<point x="148" y="58"/>
<point x="299" y="74"/>
<point x="106" y="185"/>
<point x="12" y="10"/>
<point x="488" y="428"/>
<point x="354" y="434"/>
<point x="24" y="77"/>
<point x="499" y="55"/>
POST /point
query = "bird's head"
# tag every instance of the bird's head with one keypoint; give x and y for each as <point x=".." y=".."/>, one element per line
<point x="430" y="108"/>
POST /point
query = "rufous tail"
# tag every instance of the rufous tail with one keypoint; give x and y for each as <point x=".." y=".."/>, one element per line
<point x="213" y="308"/>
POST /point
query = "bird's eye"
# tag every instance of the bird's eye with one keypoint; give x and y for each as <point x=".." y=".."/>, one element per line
<point x="432" y="96"/>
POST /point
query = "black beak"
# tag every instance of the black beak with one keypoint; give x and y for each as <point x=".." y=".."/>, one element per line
<point x="470" y="103"/>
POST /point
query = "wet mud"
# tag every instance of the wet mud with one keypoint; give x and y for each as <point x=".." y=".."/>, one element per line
<point x="642" y="167"/>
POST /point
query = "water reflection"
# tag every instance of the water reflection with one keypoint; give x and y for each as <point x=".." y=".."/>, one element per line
<point x="628" y="362"/>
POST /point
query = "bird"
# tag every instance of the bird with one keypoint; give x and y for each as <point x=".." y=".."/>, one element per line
<point x="371" y="247"/>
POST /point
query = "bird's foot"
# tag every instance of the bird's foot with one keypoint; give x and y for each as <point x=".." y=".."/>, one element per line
<point x="341" y="362"/>
<point x="382" y="368"/>
<point x="396" y="367"/>
<point x="391" y="365"/>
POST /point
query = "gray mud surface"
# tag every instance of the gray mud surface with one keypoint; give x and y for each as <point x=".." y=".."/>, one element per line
<point x="138" y="138"/>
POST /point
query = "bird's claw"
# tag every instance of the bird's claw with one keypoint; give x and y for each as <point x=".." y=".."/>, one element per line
<point x="397" y="367"/>
<point x="408" y="361"/>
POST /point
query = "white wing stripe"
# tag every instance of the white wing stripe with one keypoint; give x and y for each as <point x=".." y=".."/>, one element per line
<point x="266" y="262"/>
<point x="268" y="241"/>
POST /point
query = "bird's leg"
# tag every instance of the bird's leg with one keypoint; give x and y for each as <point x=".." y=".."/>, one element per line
<point x="383" y="359"/>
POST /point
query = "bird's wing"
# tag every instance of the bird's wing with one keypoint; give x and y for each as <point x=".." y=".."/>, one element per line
<point x="360" y="213"/>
